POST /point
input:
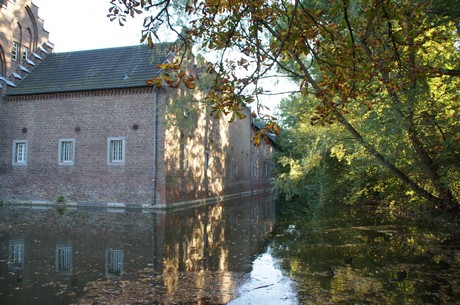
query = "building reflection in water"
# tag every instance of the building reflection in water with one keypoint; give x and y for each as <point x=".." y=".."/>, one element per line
<point x="55" y="256"/>
<point x="63" y="258"/>
<point x="16" y="255"/>
<point x="114" y="262"/>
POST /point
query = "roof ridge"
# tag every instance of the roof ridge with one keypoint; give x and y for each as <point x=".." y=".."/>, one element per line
<point x="95" y="69"/>
<point x="114" y="48"/>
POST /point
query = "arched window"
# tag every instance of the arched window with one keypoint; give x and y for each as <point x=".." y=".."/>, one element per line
<point x="32" y="30"/>
<point x="15" y="51"/>
<point x="27" y="44"/>
<point x="2" y="62"/>
<point x="17" y="41"/>
<point x="28" y="38"/>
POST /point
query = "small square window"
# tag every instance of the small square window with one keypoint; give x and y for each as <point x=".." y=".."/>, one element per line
<point x="15" y="51"/>
<point x="66" y="152"/>
<point x="116" y="151"/>
<point x="25" y="53"/>
<point x="20" y="152"/>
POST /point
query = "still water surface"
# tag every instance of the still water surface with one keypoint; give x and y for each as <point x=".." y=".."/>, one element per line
<point x="342" y="254"/>
<point x="238" y="253"/>
<point x="96" y="256"/>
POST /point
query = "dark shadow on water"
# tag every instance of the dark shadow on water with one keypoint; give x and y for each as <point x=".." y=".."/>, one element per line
<point x="116" y="256"/>
<point x="339" y="254"/>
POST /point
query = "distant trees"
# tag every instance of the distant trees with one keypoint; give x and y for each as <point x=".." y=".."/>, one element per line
<point x="386" y="71"/>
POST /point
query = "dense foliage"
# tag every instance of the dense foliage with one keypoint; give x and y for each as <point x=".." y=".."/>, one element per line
<point x="383" y="75"/>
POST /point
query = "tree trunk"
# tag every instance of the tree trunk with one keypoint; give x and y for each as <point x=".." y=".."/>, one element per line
<point x="436" y="201"/>
<point x="430" y="169"/>
<point x="446" y="199"/>
<point x="389" y="165"/>
<point x="425" y="159"/>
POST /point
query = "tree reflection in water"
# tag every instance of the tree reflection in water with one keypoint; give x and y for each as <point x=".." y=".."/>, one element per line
<point x="223" y="253"/>
<point x="353" y="255"/>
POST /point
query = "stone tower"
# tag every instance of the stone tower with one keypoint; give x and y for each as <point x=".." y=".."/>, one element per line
<point x="23" y="40"/>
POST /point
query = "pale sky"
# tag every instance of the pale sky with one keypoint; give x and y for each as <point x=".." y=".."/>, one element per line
<point x="83" y="24"/>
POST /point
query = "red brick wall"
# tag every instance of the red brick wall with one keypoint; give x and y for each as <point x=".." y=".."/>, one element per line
<point x="90" y="119"/>
<point x="231" y="154"/>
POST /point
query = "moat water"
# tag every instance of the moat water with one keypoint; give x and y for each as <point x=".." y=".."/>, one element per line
<point x="238" y="252"/>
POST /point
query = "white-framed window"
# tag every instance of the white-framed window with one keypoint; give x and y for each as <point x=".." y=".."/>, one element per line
<point x="20" y="152"/>
<point x="185" y="163"/>
<point x="15" y="51"/>
<point x="266" y="168"/>
<point x="206" y="160"/>
<point x="116" y="150"/>
<point x="66" y="152"/>
<point x="25" y="53"/>
<point x="232" y="168"/>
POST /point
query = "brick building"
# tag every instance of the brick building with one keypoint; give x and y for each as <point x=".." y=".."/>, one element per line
<point x="84" y="127"/>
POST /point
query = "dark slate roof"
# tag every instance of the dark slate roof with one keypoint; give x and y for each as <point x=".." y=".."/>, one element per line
<point x="121" y="67"/>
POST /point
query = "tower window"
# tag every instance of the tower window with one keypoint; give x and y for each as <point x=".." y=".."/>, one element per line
<point x="15" y="51"/>
<point x="25" y="53"/>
